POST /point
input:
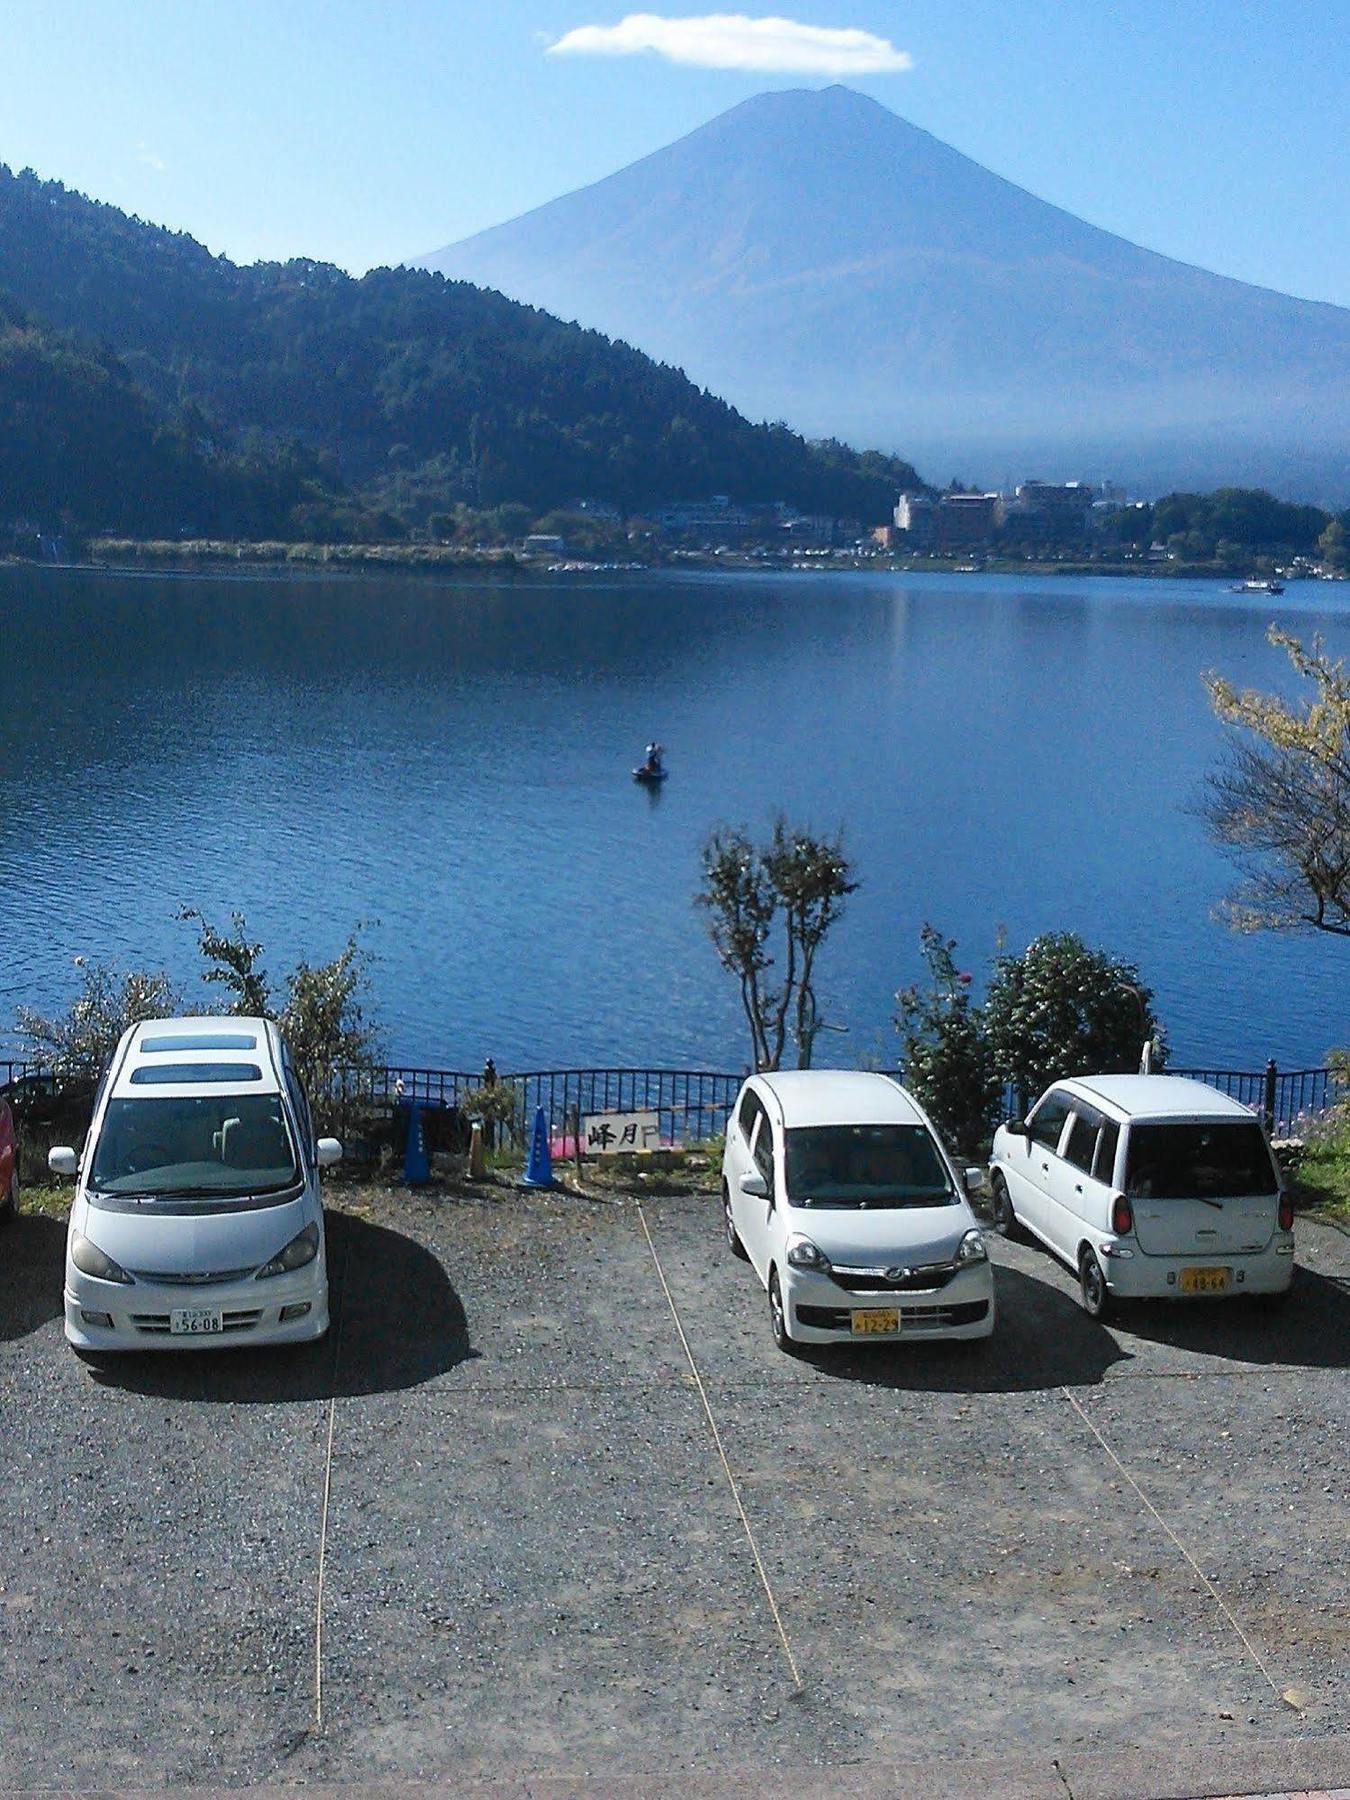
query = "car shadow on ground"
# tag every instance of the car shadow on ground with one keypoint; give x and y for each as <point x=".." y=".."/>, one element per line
<point x="396" y="1322"/>
<point x="1042" y="1339"/>
<point x="32" y="1263"/>
<point x="1310" y="1329"/>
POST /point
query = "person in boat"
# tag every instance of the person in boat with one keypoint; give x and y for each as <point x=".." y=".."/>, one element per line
<point x="652" y="766"/>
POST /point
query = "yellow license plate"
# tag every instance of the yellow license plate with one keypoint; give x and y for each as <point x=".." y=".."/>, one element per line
<point x="1204" y="1281"/>
<point x="876" y="1321"/>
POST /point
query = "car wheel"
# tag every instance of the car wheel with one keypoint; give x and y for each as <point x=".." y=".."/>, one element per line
<point x="734" y="1244"/>
<point x="778" y="1317"/>
<point x="1005" y="1219"/>
<point x="1092" y="1287"/>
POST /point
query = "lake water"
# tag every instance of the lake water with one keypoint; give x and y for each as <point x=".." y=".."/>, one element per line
<point x="450" y="763"/>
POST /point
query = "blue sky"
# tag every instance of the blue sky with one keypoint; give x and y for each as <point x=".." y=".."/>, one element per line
<point x="1213" y="130"/>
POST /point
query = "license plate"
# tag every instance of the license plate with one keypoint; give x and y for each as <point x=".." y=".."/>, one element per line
<point x="194" y="1321"/>
<point x="1204" y="1281"/>
<point x="876" y="1321"/>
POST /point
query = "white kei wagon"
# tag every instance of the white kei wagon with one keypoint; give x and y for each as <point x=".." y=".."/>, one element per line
<point x="1148" y="1186"/>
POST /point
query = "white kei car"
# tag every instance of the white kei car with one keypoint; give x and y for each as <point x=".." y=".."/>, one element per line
<point x="836" y="1188"/>
<point x="1149" y="1186"/>
<point x="197" y="1219"/>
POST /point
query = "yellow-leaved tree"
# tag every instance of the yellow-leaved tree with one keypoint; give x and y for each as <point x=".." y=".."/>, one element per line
<point x="1280" y="801"/>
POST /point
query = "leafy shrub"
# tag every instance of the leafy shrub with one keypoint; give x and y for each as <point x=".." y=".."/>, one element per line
<point x="1062" y="1009"/>
<point x="948" y="1060"/>
<point x="78" y="1043"/>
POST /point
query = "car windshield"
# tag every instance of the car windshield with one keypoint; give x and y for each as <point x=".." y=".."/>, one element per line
<point x="866" y="1165"/>
<point x="218" y="1146"/>
<point x="1198" y="1162"/>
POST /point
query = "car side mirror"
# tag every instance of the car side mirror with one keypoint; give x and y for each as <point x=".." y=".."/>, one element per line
<point x="976" y="1180"/>
<point x="1017" y="1128"/>
<point x="754" y="1186"/>
<point x="329" y="1152"/>
<point x="62" y="1160"/>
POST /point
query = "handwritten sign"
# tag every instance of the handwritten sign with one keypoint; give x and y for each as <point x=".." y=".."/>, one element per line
<point x="620" y="1134"/>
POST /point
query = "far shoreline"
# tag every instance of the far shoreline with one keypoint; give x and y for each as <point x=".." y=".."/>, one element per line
<point x="273" y="559"/>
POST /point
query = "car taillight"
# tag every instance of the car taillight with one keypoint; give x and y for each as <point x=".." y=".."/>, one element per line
<point x="1286" y="1213"/>
<point x="1122" y="1216"/>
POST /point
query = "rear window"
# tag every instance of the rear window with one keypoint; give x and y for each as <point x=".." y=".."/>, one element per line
<point x="1198" y="1162"/>
<point x="193" y="1074"/>
<point x="203" y="1040"/>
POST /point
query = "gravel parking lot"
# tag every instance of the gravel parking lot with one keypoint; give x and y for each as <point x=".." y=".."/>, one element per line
<point x="500" y="1527"/>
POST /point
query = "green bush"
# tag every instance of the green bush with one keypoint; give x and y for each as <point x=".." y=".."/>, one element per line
<point x="948" y="1061"/>
<point x="1063" y="1009"/>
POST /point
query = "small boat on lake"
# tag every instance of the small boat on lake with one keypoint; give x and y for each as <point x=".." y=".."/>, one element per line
<point x="650" y="777"/>
<point x="1256" y="586"/>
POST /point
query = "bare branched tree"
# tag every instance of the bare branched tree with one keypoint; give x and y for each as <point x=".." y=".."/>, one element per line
<point x="1280" y="804"/>
<point x="781" y="898"/>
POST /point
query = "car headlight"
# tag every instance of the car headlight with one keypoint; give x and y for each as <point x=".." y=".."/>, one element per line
<point x="302" y="1249"/>
<point x="803" y="1254"/>
<point x="971" y="1248"/>
<point x="90" y="1260"/>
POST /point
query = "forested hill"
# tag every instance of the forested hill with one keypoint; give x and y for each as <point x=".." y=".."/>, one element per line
<point x="416" y="385"/>
<point x="81" y="444"/>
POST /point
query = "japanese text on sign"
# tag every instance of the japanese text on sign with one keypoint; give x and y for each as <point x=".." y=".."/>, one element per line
<point x="620" y="1134"/>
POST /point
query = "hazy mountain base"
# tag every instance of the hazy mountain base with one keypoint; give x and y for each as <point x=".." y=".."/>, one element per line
<point x="812" y="255"/>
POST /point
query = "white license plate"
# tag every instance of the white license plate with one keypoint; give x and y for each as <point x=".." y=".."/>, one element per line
<point x="194" y="1321"/>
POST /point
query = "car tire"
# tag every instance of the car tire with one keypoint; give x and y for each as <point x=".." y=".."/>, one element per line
<point x="1006" y="1222"/>
<point x="734" y="1244"/>
<point x="1092" y="1288"/>
<point x="778" y="1324"/>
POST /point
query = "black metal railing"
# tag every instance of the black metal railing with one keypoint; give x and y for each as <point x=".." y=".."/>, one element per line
<point x="692" y="1104"/>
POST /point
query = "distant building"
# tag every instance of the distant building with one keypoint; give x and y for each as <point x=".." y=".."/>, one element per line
<point x="916" y="516"/>
<point x="951" y="522"/>
<point x="1049" y="512"/>
<point x="964" y="520"/>
<point x="543" y="543"/>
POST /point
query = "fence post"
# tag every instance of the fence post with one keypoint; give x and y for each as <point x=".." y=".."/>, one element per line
<point x="1268" y="1096"/>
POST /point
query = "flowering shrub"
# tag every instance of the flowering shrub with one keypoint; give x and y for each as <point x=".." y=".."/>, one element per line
<point x="948" y="1061"/>
<point x="78" y="1043"/>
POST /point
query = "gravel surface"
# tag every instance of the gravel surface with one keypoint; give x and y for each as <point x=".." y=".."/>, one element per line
<point x="534" y="1568"/>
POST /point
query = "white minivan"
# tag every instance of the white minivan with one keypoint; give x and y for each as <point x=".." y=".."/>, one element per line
<point x="197" y="1219"/>
<point x="1149" y="1186"/>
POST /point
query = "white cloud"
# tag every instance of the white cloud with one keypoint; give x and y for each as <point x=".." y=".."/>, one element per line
<point x="735" y="41"/>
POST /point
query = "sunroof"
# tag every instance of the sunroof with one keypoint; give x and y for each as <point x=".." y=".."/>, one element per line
<point x="199" y="1074"/>
<point x="203" y="1040"/>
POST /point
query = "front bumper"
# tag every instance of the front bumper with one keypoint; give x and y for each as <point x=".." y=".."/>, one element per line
<point x="1140" y="1277"/>
<point x="820" y="1311"/>
<point x="251" y="1311"/>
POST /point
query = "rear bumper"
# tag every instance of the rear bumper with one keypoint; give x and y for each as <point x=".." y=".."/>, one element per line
<point x="1140" y="1277"/>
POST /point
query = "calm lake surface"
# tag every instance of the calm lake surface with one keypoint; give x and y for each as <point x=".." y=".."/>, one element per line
<point x="450" y="762"/>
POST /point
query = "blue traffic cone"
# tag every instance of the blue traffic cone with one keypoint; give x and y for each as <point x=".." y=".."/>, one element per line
<point x="539" y="1169"/>
<point x="416" y="1168"/>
